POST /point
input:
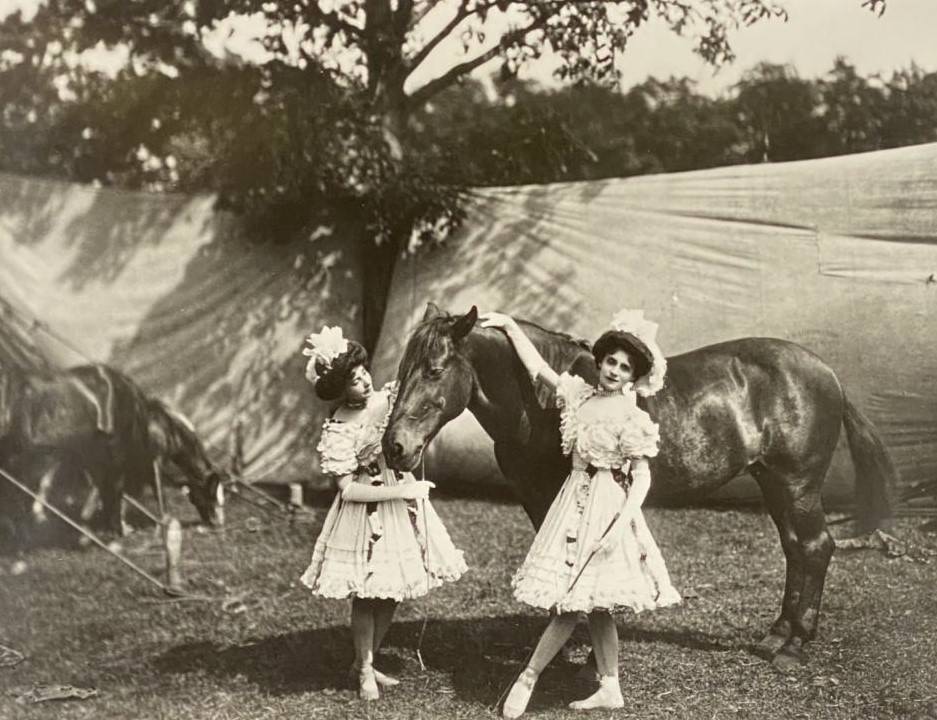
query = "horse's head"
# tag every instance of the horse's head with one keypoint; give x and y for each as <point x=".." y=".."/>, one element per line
<point x="174" y="439"/>
<point x="435" y="382"/>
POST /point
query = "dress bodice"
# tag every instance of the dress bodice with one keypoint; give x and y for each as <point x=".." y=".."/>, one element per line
<point x="608" y="436"/>
<point x="346" y="445"/>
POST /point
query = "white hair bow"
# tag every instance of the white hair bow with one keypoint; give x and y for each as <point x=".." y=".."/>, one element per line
<point x="634" y="322"/>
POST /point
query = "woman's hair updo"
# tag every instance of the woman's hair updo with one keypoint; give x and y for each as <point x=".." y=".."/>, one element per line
<point x="333" y="379"/>
<point x="614" y="340"/>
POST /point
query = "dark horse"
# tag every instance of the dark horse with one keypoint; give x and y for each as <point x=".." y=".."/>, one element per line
<point x="760" y="405"/>
<point x="94" y="420"/>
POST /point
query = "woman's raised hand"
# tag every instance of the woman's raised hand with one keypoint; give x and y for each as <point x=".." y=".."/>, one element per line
<point x="416" y="490"/>
<point x="496" y="320"/>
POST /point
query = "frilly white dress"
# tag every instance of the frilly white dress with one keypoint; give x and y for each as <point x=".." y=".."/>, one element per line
<point x="628" y="570"/>
<point x="394" y="549"/>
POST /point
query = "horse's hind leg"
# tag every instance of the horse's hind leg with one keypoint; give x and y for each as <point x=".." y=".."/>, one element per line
<point x="817" y="545"/>
<point x="779" y="506"/>
<point x="796" y="507"/>
<point x="46" y="483"/>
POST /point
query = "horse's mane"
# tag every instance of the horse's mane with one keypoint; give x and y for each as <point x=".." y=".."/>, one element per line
<point x="180" y="433"/>
<point x="430" y="334"/>
<point x="559" y="349"/>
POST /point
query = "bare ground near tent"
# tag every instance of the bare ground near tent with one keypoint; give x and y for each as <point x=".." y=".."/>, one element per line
<point x="279" y="652"/>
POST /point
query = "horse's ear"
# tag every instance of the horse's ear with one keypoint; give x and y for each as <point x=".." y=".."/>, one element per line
<point x="463" y="326"/>
<point x="432" y="311"/>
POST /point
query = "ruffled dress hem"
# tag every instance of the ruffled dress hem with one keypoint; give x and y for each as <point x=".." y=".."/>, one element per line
<point x="392" y="549"/>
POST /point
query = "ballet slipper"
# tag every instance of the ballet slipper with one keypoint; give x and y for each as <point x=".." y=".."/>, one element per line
<point x="383" y="680"/>
<point x="607" y="696"/>
<point x="516" y="702"/>
<point x="367" y="684"/>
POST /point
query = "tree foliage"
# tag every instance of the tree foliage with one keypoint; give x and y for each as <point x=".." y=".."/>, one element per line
<point x="325" y="113"/>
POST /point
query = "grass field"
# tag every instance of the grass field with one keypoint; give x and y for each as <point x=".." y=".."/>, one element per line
<point x="273" y="651"/>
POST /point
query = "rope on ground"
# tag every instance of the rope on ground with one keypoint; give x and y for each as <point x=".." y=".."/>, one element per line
<point x="142" y="508"/>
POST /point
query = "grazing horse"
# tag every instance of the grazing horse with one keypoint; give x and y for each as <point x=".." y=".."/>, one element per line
<point x="173" y="440"/>
<point x="760" y="405"/>
<point x="95" y="420"/>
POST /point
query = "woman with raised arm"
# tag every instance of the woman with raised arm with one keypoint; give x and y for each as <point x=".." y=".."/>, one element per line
<point x="594" y="553"/>
<point x="381" y="541"/>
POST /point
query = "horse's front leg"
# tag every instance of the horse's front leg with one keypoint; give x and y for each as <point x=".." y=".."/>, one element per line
<point x="108" y="462"/>
<point x="111" y="509"/>
<point x="779" y="506"/>
<point x="90" y="506"/>
<point x="112" y="506"/>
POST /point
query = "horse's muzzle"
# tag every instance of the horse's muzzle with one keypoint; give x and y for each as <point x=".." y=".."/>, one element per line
<point x="399" y="457"/>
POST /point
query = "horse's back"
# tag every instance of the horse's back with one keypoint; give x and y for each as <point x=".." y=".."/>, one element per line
<point x="752" y="363"/>
<point x="729" y="405"/>
<point x="765" y="351"/>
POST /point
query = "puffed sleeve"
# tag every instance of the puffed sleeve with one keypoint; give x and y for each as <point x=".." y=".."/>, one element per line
<point x="571" y="392"/>
<point x="640" y="436"/>
<point x="337" y="451"/>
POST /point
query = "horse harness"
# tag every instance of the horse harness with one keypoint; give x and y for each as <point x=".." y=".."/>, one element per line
<point x="105" y="409"/>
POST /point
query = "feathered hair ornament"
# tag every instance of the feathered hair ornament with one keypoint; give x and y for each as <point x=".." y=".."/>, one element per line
<point x="323" y="347"/>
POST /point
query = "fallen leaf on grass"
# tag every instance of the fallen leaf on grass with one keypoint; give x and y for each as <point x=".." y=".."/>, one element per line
<point x="252" y="524"/>
<point x="43" y="693"/>
<point x="10" y="657"/>
<point x="235" y="604"/>
<point x="823" y="681"/>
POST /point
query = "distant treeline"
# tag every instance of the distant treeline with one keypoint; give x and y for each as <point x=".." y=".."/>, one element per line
<point x="254" y="135"/>
<point x="531" y="135"/>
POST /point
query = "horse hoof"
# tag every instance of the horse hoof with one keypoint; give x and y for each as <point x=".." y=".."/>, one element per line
<point x="789" y="660"/>
<point x="770" y="646"/>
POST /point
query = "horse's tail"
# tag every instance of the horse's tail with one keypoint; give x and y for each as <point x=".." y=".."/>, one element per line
<point x="876" y="476"/>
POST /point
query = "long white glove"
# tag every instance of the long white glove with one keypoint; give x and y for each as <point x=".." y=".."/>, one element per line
<point x="529" y="355"/>
<point x="640" y="484"/>
<point x="365" y="493"/>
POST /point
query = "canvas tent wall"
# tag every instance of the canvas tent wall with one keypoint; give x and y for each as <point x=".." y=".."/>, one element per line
<point x="838" y="254"/>
<point x="173" y="293"/>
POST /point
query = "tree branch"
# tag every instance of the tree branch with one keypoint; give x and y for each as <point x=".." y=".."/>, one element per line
<point x="402" y="16"/>
<point x="424" y="52"/>
<point x="332" y="20"/>
<point x="443" y="81"/>
<point x="421" y="13"/>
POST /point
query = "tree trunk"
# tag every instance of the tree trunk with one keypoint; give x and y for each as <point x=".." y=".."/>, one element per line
<point x="386" y="76"/>
<point x="377" y="264"/>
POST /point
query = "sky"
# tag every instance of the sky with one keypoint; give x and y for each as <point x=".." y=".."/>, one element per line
<point x="817" y="31"/>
